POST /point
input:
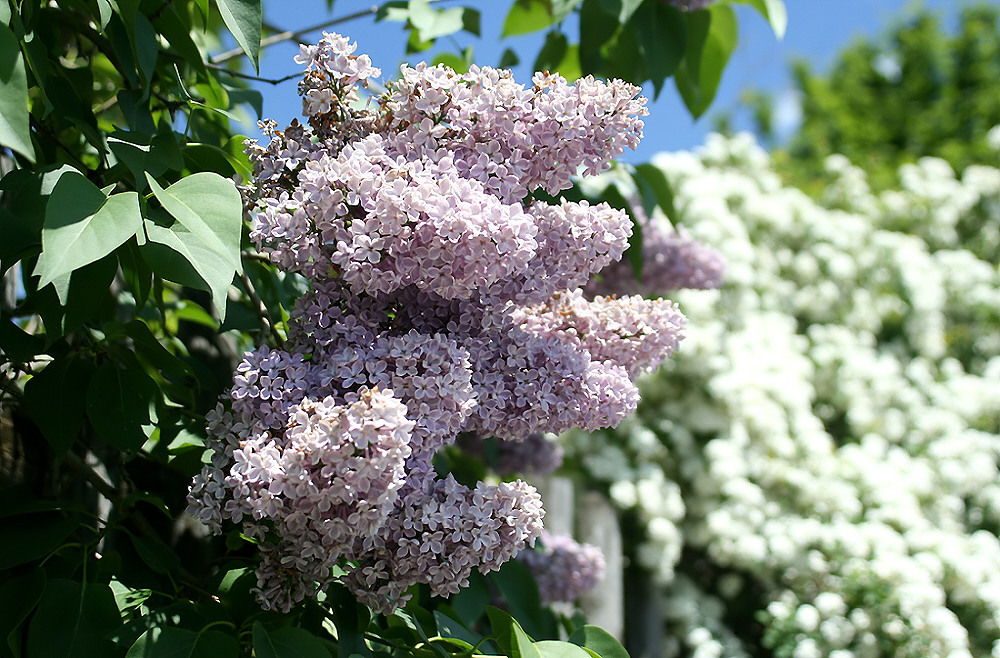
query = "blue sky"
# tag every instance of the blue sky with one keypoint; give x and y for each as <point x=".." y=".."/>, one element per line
<point x="817" y="31"/>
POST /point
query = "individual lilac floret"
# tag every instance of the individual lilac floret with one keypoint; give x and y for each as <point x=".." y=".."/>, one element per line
<point x="439" y="297"/>
<point x="563" y="568"/>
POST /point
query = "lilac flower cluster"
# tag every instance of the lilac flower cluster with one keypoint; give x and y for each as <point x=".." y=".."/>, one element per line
<point x="671" y="260"/>
<point x="563" y="568"/>
<point x="539" y="453"/>
<point x="444" y="300"/>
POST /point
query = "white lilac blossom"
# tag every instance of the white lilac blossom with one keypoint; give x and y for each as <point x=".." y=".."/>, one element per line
<point x="434" y="278"/>
<point x="831" y="431"/>
<point x="564" y="569"/>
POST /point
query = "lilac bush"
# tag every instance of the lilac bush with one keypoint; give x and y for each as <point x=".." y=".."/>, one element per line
<point x="444" y="299"/>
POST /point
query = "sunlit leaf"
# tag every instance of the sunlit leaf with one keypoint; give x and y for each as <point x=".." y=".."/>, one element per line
<point x="774" y="11"/>
<point x="243" y="18"/>
<point x="712" y="37"/>
<point x="82" y="225"/>
<point x="557" y="649"/>
<point x="598" y="640"/>
<point x="14" y="124"/>
<point x="210" y="210"/>
<point x="526" y="16"/>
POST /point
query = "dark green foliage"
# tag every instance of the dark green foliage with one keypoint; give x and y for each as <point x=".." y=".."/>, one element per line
<point x="917" y="91"/>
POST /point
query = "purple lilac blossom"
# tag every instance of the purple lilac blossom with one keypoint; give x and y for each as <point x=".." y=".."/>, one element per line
<point x="563" y="568"/>
<point x="539" y="453"/>
<point x="436" y="286"/>
<point x="671" y="260"/>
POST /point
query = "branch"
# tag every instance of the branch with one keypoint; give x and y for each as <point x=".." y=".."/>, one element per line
<point x="266" y="323"/>
<point x="247" y="76"/>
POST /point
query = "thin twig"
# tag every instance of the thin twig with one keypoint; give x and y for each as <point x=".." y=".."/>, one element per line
<point x="247" y="76"/>
<point x="289" y="35"/>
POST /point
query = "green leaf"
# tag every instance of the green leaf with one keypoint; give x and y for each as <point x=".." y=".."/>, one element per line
<point x="633" y="254"/>
<point x="163" y="643"/>
<point x="104" y="10"/>
<point x="88" y="296"/>
<point x="526" y="16"/>
<point x="623" y="9"/>
<point x="471" y="20"/>
<point x="470" y="602"/>
<point x="52" y="398"/>
<point x="562" y="8"/>
<point x="509" y="59"/>
<point x="73" y="619"/>
<point x="656" y="182"/>
<point x="210" y="209"/>
<point x="661" y="30"/>
<point x="5" y="12"/>
<point x="712" y="37"/>
<point x="183" y="643"/>
<point x="18" y="345"/>
<point x="18" y="597"/>
<point x="158" y="556"/>
<point x="452" y="629"/>
<point x="82" y="225"/>
<point x="598" y="640"/>
<point x="458" y="63"/>
<point x="552" y="52"/>
<point x="596" y="28"/>
<point x="774" y="12"/>
<point x="557" y="649"/>
<point x="512" y="639"/>
<point x="27" y="537"/>
<point x="433" y="23"/>
<point x="176" y="255"/>
<point x="14" y="125"/>
<point x="118" y="400"/>
<point x="286" y="643"/>
<point x="243" y="18"/>
<point x="151" y="349"/>
<point x="146" y="47"/>
<point x="142" y="154"/>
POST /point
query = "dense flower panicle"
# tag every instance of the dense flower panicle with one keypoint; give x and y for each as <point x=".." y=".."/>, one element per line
<point x="428" y="260"/>
<point x="437" y="537"/>
<point x="563" y="568"/>
<point x="633" y="332"/>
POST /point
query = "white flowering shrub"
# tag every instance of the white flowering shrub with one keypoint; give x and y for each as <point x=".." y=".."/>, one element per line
<point x="816" y="472"/>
